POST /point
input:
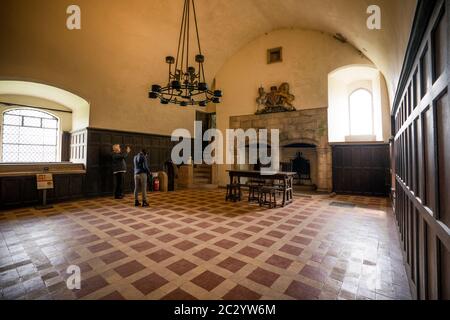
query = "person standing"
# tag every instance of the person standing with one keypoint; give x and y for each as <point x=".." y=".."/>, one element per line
<point x="172" y="174"/>
<point x="141" y="171"/>
<point x="119" y="167"/>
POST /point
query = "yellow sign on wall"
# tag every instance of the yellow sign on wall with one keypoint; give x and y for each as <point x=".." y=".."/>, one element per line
<point x="44" y="181"/>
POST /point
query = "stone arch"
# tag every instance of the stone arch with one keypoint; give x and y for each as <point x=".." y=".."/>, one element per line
<point x="291" y="141"/>
<point x="79" y="106"/>
<point x="342" y="82"/>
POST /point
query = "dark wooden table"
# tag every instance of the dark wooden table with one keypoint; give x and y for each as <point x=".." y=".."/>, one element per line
<point x="287" y="179"/>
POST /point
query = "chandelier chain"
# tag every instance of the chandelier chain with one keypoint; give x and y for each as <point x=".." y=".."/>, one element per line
<point x="186" y="85"/>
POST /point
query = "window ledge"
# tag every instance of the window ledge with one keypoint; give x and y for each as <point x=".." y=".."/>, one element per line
<point x="361" y="138"/>
<point x="343" y="143"/>
<point x="31" y="169"/>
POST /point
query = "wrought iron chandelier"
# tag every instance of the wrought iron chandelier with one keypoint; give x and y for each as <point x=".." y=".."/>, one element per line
<point x="186" y="85"/>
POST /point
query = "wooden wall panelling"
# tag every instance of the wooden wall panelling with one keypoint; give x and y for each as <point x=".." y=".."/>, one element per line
<point x="22" y="190"/>
<point x="65" y="146"/>
<point x="99" y="173"/>
<point x="92" y="147"/>
<point x="422" y="153"/>
<point x="361" y="169"/>
<point x="443" y="132"/>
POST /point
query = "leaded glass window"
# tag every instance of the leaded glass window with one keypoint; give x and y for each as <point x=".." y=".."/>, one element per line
<point x="29" y="136"/>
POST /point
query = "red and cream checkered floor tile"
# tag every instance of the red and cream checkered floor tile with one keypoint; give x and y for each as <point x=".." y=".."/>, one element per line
<point x="194" y="245"/>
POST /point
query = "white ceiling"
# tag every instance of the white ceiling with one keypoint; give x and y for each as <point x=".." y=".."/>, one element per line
<point x="134" y="36"/>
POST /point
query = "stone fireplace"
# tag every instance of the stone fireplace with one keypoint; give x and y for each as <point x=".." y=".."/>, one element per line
<point x="301" y="157"/>
<point x="304" y="131"/>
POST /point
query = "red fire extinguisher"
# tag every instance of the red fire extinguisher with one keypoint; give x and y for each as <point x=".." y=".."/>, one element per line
<point x="156" y="184"/>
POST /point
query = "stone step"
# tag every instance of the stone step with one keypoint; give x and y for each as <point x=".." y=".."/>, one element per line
<point x="202" y="183"/>
<point x="202" y="166"/>
<point x="202" y="178"/>
<point x="203" y="169"/>
<point x="202" y="174"/>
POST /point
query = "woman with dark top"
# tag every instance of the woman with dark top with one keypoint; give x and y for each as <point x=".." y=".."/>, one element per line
<point x="119" y="168"/>
<point x="141" y="172"/>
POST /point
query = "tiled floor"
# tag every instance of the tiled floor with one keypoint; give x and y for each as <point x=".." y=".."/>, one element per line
<point x="194" y="245"/>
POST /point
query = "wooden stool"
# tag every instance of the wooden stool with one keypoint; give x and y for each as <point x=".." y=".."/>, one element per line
<point x="234" y="192"/>
<point x="254" y="193"/>
<point x="268" y="191"/>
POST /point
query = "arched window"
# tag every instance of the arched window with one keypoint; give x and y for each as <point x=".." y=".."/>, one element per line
<point x="361" y="113"/>
<point x="29" y="135"/>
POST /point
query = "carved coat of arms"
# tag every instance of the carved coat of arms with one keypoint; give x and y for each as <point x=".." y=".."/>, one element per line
<point x="277" y="100"/>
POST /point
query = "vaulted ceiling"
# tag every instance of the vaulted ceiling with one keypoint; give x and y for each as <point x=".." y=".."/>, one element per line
<point x="124" y="43"/>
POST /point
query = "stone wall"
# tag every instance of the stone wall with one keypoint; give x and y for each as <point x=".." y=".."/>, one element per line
<point x="304" y="126"/>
